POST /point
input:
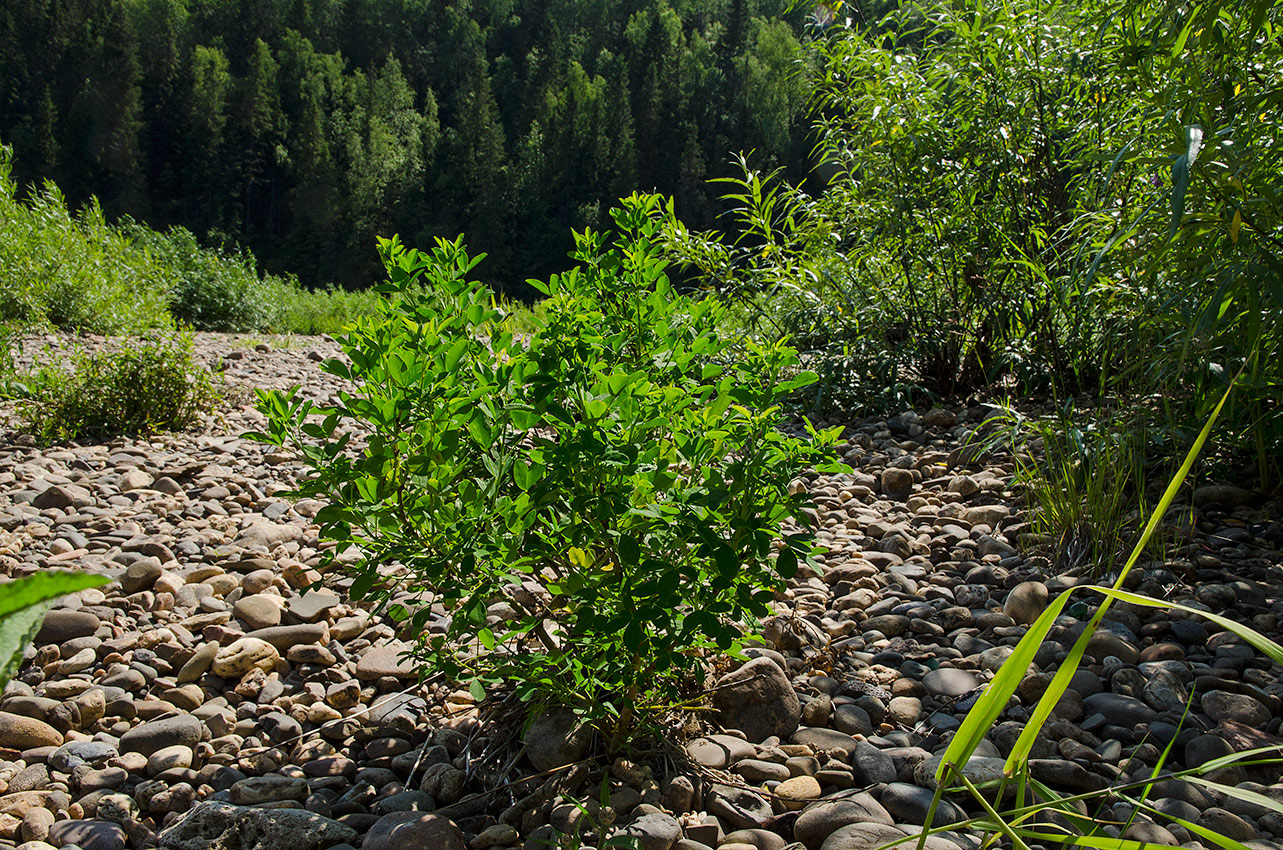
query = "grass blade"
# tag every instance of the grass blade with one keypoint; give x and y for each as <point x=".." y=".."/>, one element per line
<point x="985" y="713"/>
<point x="1243" y="794"/>
<point x="1060" y="683"/>
<point x="1248" y="634"/>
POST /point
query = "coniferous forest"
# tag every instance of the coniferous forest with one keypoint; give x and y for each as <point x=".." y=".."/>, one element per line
<point x="301" y="129"/>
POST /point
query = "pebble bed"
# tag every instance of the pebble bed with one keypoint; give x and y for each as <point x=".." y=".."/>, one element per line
<point x="208" y="699"/>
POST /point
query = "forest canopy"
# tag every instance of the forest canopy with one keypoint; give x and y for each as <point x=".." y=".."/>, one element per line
<point x="301" y="129"/>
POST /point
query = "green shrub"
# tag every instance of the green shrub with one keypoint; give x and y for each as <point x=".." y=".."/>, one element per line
<point x="209" y="290"/>
<point x="148" y="385"/>
<point x="617" y="481"/>
<point x="73" y="271"/>
<point x="320" y="311"/>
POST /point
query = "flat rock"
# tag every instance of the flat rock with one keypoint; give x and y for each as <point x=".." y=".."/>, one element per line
<point x="145" y="739"/>
<point x="380" y="661"/>
<point x="62" y="624"/>
<point x="221" y="826"/>
<point x="87" y="834"/>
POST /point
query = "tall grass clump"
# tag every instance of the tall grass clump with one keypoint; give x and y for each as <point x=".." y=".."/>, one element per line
<point x="73" y="271"/>
<point x="1025" y="812"/>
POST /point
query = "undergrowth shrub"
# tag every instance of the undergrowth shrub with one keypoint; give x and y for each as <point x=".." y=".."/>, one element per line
<point x="147" y="385"/>
<point x="597" y="507"/>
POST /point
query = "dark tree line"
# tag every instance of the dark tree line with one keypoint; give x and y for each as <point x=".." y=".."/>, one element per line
<point x="303" y="128"/>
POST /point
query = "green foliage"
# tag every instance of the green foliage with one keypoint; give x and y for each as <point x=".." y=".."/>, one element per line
<point x="1070" y="198"/>
<point x="209" y="290"/>
<point x="77" y="272"/>
<point x="148" y="385"/>
<point x="72" y="271"/>
<point x="23" y="604"/>
<point x="618" y="481"/>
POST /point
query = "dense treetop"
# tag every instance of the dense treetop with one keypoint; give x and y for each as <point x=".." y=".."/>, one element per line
<point x="303" y="128"/>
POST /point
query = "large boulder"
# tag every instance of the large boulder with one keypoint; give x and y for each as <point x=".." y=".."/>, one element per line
<point x="221" y="826"/>
<point x="758" y="700"/>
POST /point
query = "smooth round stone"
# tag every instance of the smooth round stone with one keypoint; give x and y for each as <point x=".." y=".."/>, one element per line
<point x="950" y="682"/>
<point x="1119" y="710"/>
<point x="796" y="792"/>
<point x="1223" y="706"/>
<point x="416" y="831"/>
<point x="852" y="720"/>
<point x="755" y="771"/>
<point x="905" y="710"/>
<point x="864" y="836"/>
<point x="1026" y="602"/>
<point x="156" y="735"/>
<point x="167" y="758"/>
<point x="257" y="611"/>
<point x="141" y="575"/>
<point x="910" y="804"/>
<point x="61" y="625"/>
<point x="718" y="751"/>
<point x="27" y="733"/>
<point x="87" y="834"/>
<point x="822" y="818"/>
<point x="757" y="839"/>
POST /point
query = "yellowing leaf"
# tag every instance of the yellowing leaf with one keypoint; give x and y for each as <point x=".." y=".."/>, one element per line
<point x="1235" y="225"/>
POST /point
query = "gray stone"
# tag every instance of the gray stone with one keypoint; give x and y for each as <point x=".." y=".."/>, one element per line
<point x="950" y="682"/>
<point x="1223" y="706"/>
<point x="414" y="831"/>
<point x="758" y="700"/>
<point x="257" y="611"/>
<point x="220" y="826"/>
<point x="87" y="834"/>
<point x="1026" y="602"/>
<point x="821" y="819"/>
<point x="62" y="624"/>
<point x="739" y="808"/>
<point x="267" y="789"/>
<point x="63" y="496"/>
<point x="557" y="737"/>
<point x="865" y="836"/>
<point x="909" y="804"/>
<point x="897" y="483"/>
<point x="1119" y="710"/>
<point x="154" y="735"/>
<point x="870" y="765"/>
<point x="312" y="605"/>
<point x="654" y="831"/>
<point x="824" y="739"/>
<point x="141" y="575"/>
<point x="381" y="661"/>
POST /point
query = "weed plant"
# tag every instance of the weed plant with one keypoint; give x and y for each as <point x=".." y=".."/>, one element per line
<point x="147" y="385"/>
